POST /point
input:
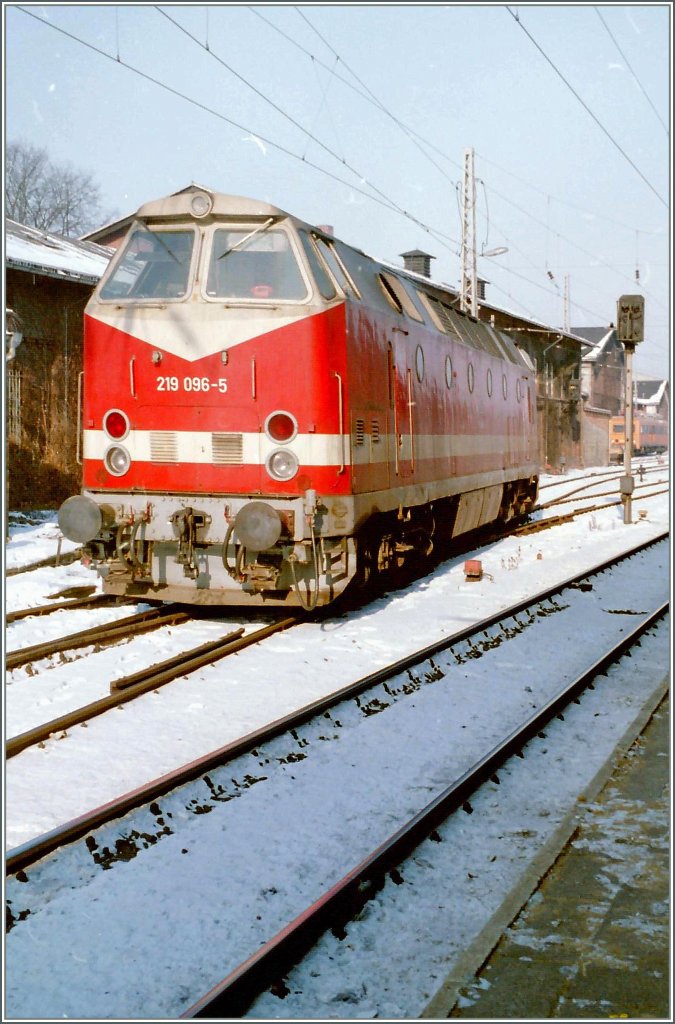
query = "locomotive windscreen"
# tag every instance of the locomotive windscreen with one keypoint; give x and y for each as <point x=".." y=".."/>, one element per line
<point x="245" y="266"/>
<point x="154" y="264"/>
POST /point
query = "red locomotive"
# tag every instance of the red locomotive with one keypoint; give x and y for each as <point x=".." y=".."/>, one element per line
<point x="269" y="413"/>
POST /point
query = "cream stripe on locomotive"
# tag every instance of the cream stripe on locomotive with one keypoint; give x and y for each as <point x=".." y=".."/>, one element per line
<point x="196" y="331"/>
<point x="233" y="449"/>
<point x="215" y="447"/>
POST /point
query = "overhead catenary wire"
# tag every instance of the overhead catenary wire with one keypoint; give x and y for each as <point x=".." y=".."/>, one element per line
<point x="370" y="97"/>
<point x="382" y="200"/>
<point x="516" y="17"/>
<point x="410" y="133"/>
<point x="627" y="63"/>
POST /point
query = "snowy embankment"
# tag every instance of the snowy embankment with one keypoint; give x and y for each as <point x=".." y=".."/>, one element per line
<point x="479" y="863"/>
<point x="126" y="748"/>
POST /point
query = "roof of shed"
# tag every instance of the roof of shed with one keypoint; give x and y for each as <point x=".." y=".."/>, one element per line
<point x="39" y="252"/>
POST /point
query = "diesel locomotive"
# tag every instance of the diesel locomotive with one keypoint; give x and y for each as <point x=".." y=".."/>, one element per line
<point x="268" y="413"/>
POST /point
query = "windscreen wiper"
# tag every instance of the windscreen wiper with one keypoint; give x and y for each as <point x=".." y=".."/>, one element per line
<point x="248" y="237"/>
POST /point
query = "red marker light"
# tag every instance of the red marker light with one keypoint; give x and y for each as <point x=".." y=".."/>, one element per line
<point x="116" y="424"/>
<point x="281" y="427"/>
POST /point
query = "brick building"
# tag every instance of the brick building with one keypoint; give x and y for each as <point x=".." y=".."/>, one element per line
<point x="48" y="282"/>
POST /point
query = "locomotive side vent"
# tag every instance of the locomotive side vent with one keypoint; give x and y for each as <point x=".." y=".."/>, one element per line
<point x="227" y="449"/>
<point x="359" y="431"/>
<point x="163" y="446"/>
<point x="374" y="431"/>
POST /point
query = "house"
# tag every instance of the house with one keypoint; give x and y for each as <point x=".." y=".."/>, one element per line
<point x="602" y="389"/>
<point x="48" y="281"/>
<point x="651" y="397"/>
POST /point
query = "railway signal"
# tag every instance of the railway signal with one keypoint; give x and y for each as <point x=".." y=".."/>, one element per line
<point x="630" y="320"/>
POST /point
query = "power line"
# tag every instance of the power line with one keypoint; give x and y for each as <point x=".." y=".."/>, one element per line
<point x="387" y="203"/>
<point x="267" y="99"/>
<point x="588" y="110"/>
<point x="369" y="97"/>
<point x="625" y="58"/>
<point x="384" y="201"/>
<point x="409" y="133"/>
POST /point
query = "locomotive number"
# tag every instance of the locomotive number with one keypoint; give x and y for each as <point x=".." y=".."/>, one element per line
<point x="191" y="384"/>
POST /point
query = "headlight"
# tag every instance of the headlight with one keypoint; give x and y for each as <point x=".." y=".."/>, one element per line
<point x="201" y="204"/>
<point x="117" y="460"/>
<point x="282" y="465"/>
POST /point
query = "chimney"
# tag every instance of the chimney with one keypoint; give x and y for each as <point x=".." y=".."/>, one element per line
<point x="417" y="262"/>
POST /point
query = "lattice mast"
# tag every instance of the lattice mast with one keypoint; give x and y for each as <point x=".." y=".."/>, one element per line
<point x="469" y="290"/>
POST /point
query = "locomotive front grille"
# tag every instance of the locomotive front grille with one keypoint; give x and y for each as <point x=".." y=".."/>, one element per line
<point x="163" y="446"/>
<point x="227" y="449"/>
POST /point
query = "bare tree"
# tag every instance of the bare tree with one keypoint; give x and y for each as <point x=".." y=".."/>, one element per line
<point x="49" y="196"/>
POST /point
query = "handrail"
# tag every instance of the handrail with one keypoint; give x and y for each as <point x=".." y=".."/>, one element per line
<point x="410" y="422"/>
<point x="78" y="420"/>
<point x="341" y="419"/>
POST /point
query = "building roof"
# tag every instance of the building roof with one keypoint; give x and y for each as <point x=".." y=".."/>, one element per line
<point x="599" y="338"/>
<point x="38" y="252"/>
<point x="650" y="391"/>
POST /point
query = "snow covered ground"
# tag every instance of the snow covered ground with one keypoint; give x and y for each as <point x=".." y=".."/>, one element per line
<point x="123" y="749"/>
<point x="199" y="713"/>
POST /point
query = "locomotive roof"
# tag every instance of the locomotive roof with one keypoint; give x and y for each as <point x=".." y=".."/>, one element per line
<point x="223" y="205"/>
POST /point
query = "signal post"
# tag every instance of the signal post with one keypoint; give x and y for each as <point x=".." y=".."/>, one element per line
<point x="630" y="322"/>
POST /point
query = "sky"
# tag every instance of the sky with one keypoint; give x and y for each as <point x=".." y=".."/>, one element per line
<point x="359" y="116"/>
<point x="87" y="928"/>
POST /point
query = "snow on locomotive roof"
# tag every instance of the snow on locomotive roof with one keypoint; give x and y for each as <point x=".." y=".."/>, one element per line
<point x="36" y="251"/>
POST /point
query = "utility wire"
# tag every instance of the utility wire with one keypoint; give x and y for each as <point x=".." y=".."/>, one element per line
<point x="627" y="62"/>
<point x="413" y="134"/>
<point x="293" y="121"/>
<point x="409" y="134"/>
<point x="387" y="203"/>
<point x="370" y="98"/>
<point x="275" y="106"/>
<point x="588" y="110"/>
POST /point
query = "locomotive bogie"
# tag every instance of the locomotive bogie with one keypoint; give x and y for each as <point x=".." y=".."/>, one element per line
<point x="269" y="413"/>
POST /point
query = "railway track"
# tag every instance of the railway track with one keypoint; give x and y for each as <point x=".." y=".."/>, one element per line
<point x="266" y="967"/>
<point x="91" y="601"/>
<point x="473" y="638"/>
<point x="265" y="747"/>
<point x="536" y="526"/>
<point x="127" y="688"/>
<point x="100" y="634"/>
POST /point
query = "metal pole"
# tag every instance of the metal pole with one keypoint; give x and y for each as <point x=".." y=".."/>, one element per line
<point x="469" y="288"/>
<point x="627" y="481"/>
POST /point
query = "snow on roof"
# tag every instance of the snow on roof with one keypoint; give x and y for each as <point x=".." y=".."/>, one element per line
<point x="650" y="392"/>
<point x="36" y="251"/>
<point x="598" y="337"/>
